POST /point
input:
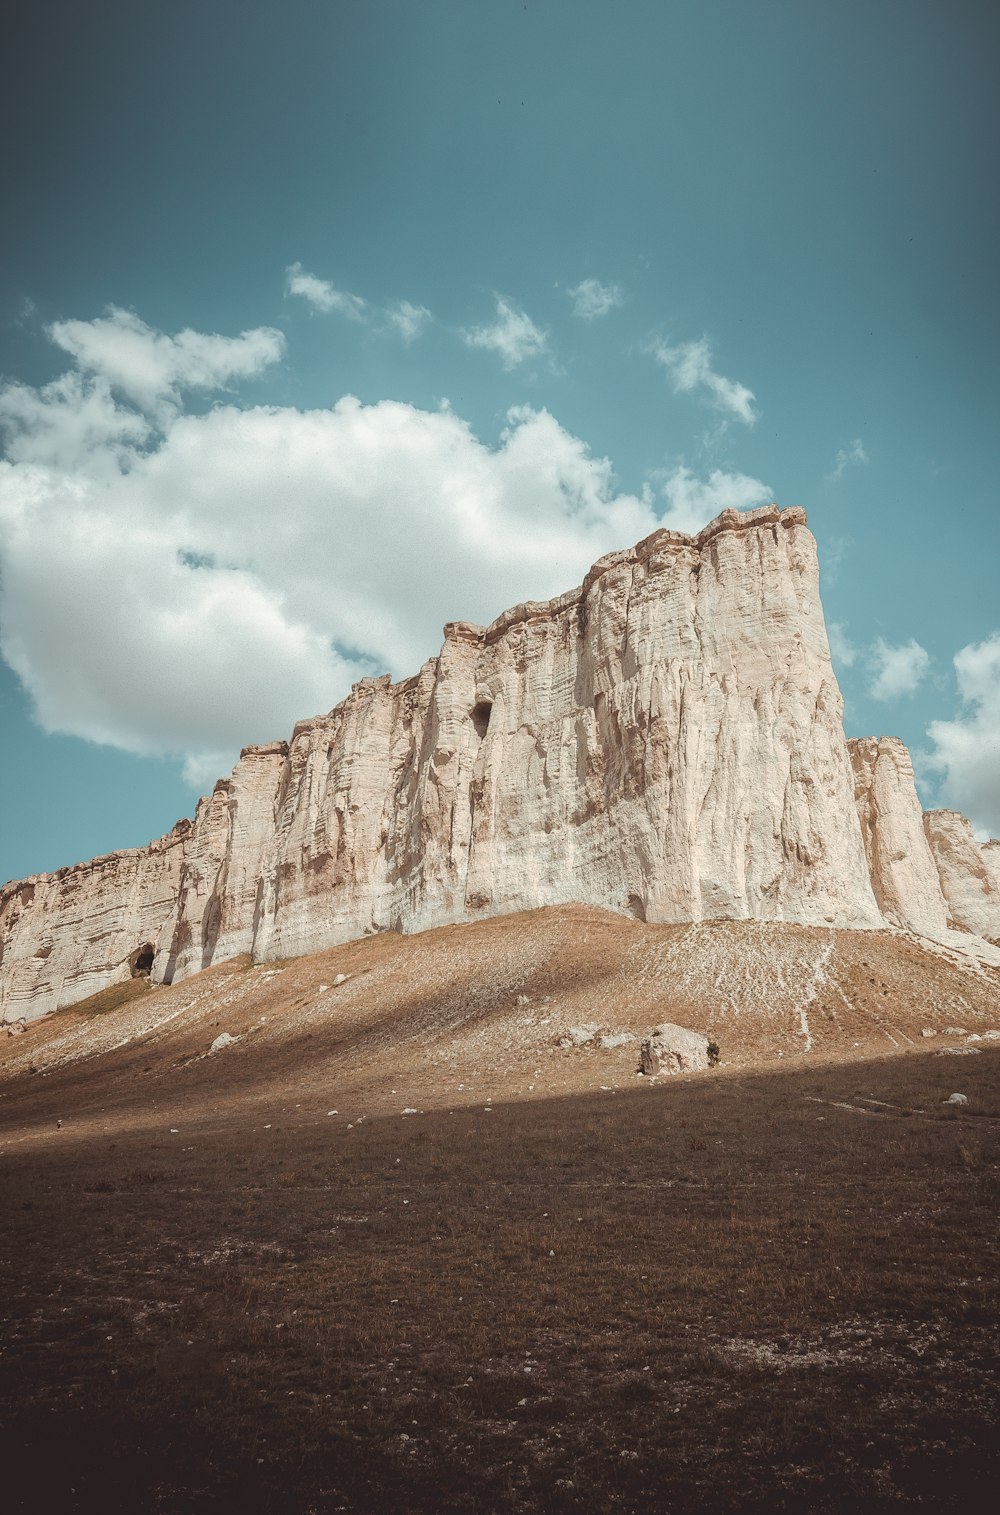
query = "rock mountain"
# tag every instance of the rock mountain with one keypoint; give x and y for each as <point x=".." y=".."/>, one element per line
<point x="665" y="741"/>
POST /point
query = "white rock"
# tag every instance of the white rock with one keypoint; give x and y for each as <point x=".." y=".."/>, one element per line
<point x="611" y="1039"/>
<point x="956" y="1099"/>
<point x="903" y="873"/>
<point x="970" y="878"/>
<point x="954" y="1031"/>
<point x="223" y="1040"/>
<point x="578" y="1036"/>
<point x="673" y="1049"/>
<point x="928" y="1032"/>
<point x="664" y="741"/>
<point x="341" y="978"/>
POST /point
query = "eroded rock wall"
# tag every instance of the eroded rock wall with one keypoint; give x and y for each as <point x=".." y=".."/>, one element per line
<point x="666" y="740"/>
<point x="903" y="871"/>
<point x="66" y="935"/>
<point x="970" y="878"/>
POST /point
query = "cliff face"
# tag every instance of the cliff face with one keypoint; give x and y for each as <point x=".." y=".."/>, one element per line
<point x="970" y="873"/>
<point x="903" y="871"/>
<point x="666" y="741"/>
<point x="65" y="935"/>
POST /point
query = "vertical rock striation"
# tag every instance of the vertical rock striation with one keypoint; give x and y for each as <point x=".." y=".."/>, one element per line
<point x="666" y="741"/>
<point x="67" y="935"/>
<point x="903" y="872"/>
<point x="970" y="877"/>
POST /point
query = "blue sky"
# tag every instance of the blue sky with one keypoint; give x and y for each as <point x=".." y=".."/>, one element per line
<point x="322" y="324"/>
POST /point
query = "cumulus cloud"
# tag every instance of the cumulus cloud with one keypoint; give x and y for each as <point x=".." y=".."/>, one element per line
<point x="693" y="502"/>
<point x="690" y="368"/>
<point x="185" y="583"/>
<point x="513" y="336"/>
<point x="846" y="456"/>
<point x="322" y="295"/>
<point x="149" y="367"/>
<point x="896" y="671"/>
<point x="409" y="320"/>
<point x="591" y="298"/>
<point x="966" y="751"/>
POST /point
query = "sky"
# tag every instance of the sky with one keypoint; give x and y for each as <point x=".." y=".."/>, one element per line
<point x="323" y="324"/>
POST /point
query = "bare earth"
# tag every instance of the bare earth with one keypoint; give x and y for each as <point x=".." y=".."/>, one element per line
<point x="245" y="1279"/>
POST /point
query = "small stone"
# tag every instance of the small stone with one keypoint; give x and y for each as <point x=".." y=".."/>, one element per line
<point x="956" y="1099"/>
<point x="222" y="1040"/>
<point x="928" y="1032"/>
<point x="341" y="978"/>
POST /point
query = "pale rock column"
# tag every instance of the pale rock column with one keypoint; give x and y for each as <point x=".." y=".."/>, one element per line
<point x="903" y="872"/>
<point x="967" y="872"/>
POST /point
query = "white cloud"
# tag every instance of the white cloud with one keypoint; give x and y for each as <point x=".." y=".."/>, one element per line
<point x="148" y="367"/>
<point x="896" y="671"/>
<point x="592" y="298"/>
<point x="322" y="295"/>
<point x="967" y="749"/>
<point x="409" y="320"/>
<point x="187" y="589"/>
<point x="690" y="368"/>
<point x="513" y="335"/>
<point x="693" y="502"/>
<point x="843" y="649"/>
<point x="846" y="456"/>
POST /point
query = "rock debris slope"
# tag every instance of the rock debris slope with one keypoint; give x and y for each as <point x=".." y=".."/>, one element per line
<point x="665" y="741"/>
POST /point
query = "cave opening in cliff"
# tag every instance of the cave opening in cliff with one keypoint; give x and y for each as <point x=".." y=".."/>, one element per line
<point x="142" y="961"/>
<point x="481" y="717"/>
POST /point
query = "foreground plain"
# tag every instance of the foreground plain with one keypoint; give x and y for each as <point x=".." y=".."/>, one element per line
<point x="555" y="1287"/>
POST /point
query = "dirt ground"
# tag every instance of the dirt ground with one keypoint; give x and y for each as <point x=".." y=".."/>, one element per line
<point x="248" y="1280"/>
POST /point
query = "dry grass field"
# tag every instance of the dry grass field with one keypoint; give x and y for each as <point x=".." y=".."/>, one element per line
<point x="556" y="1286"/>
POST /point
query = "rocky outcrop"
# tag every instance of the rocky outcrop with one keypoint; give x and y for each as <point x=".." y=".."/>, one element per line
<point x="675" y="1049"/>
<point x="664" y="741"/>
<point x="66" y="935"/>
<point x="968" y="873"/>
<point x="903" y="872"/>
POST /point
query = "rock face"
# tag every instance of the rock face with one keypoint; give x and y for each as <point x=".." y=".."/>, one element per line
<point x="969" y="873"/>
<point x="903" y="872"/>
<point x="664" y="741"/>
<point x="65" y="935"/>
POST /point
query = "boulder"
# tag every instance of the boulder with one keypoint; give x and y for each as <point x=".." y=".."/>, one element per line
<point x="674" y="1049"/>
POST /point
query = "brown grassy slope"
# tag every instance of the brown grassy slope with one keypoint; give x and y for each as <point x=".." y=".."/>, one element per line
<point x="434" y="1020"/>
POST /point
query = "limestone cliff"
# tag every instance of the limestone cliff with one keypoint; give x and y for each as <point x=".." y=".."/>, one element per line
<point x="666" y="741"/>
<point x="65" y="935"/>
<point x="970" y="877"/>
<point x="903" y="871"/>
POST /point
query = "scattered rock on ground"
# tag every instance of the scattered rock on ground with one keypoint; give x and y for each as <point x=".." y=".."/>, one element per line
<point x="673" y="1049"/>
<point x="341" y="978"/>
<point x="222" y="1040"/>
<point x="956" y="1099"/>
<point x="608" y="1039"/>
<point x="578" y="1036"/>
<point x="928" y="1032"/>
<point x="954" y="1031"/>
